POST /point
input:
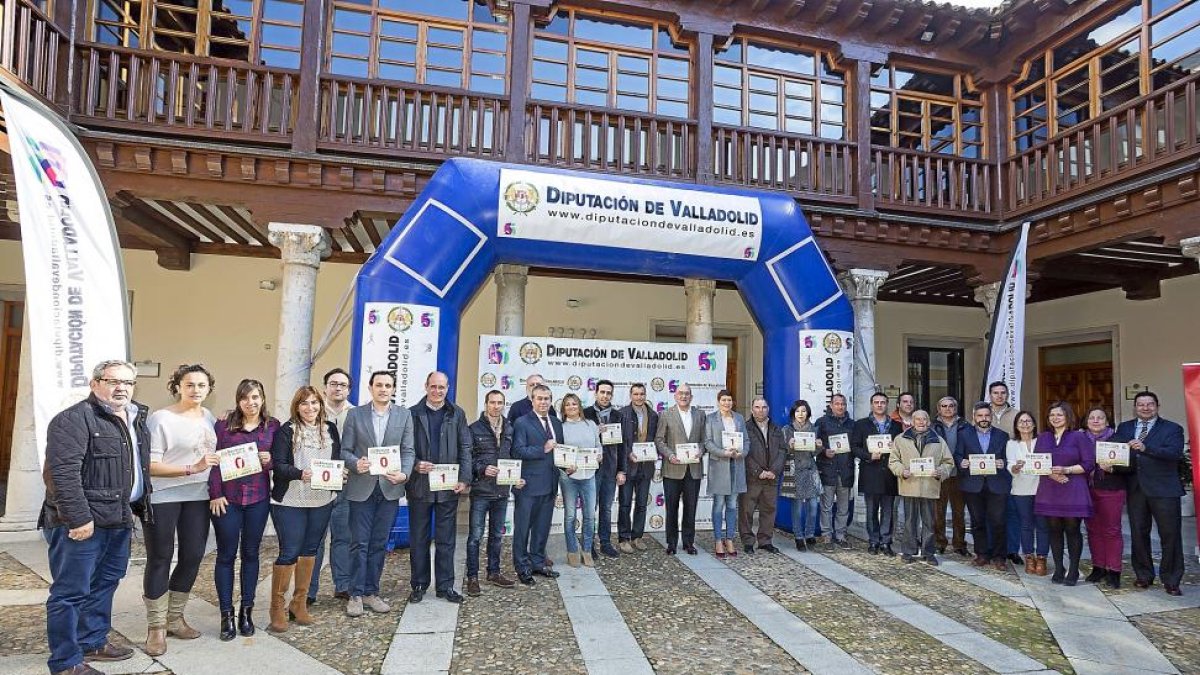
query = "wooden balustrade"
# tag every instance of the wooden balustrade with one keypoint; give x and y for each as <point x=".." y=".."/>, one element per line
<point x="609" y="140"/>
<point x="177" y="93"/>
<point x="389" y="117"/>
<point x="29" y="47"/>
<point x="911" y="180"/>
<point x="1151" y="131"/>
<point x="778" y="161"/>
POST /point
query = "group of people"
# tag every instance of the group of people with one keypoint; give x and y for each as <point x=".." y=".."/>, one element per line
<point x="109" y="462"/>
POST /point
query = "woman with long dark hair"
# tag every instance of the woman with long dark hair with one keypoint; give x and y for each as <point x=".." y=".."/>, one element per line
<point x="1108" y="484"/>
<point x="806" y="495"/>
<point x="1035" y="538"/>
<point x="240" y="506"/>
<point x="182" y="452"/>
<point x="1063" y="497"/>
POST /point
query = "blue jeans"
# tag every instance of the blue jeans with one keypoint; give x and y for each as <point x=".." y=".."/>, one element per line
<point x="724" y="516"/>
<point x="241" y="525"/>
<point x="1030" y="526"/>
<point x="487" y="513"/>
<point x="572" y="491"/>
<point x="606" y="492"/>
<point x="1012" y="531"/>
<point x="339" y="550"/>
<point x="804" y="517"/>
<point x="372" y="520"/>
<point x="299" y="529"/>
<point x="86" y="574"/>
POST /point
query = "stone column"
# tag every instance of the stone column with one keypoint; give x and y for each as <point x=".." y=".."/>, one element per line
<point x="301" y="248"/>
<point x="986" y="295"/>
<point x="700" y="294"/>
<point x="1190" y="247"/>
<point x="510" y="298"/>
<point x="23" y="502"/>
<point x="862" y="288"/>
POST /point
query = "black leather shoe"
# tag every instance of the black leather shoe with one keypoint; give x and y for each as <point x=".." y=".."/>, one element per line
<point x="963" y="552"/>
<point x="342" y="595"/>
<point x="941" y="550"/>
<point x="811" y="541"/>
<point x="1141" y="583"/>
<point x="1113" y="579"/>
<point x="526" y="579"/>
<point x="691" y="550"/>
<point x="109" y="652"/>
<point x="1097" y="574"/>
<point x="246" y="620"/>
<point x="873" y="549"/>
<point x="887" y="550"/>
<point x="417" y="595"/>
<point x="546" y="572"/>
<point x="1016" y="559"/>
<point x="748" y="548"/>
<point x="1173" y="590"/>
<point x="450" y="595"/>
<point x="228" y="626"/>
<point x="608" y="550"/>
<point x="769" y="548"/>
<point x="310" y="601"/>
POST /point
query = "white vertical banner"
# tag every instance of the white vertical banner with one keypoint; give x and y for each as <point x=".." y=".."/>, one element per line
<point x="826" y="368"/>
<point x="403" y="340"/>
<point x="1006" y="343"/>
<point x="74" y="280"/>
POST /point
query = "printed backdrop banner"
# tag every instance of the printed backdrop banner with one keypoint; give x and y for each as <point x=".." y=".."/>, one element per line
<point x="74" y="282"/>
<point x="574" y="366"/>
<point x="401" y="339"/>
<point x="1006" y="348"/>
<point x="1191" y="399"/>
<point x="826" y="368"/>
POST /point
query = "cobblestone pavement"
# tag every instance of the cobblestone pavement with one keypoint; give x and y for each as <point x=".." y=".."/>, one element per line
<point x="867" y="633"/>
<point x="519" y="630"/>
<point x="1174" y="633"/>
<point x="23" y="631"/>
<point x="1191" y="575"/>
<point x="993" y="615"/>
<point x="682" y="625"/>
<point x="16" y="577"/>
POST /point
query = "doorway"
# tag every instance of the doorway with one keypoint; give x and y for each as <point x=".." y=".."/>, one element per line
<point x="934" y="372"/>
<point x="1080" y="374"/>
<point x="10" y="367"/>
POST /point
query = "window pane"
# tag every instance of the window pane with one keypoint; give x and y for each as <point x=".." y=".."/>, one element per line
<point x="444" y="56"/>
<point x="673" y="89"/>
<point x="587" y="77"/>
<point x="763" y="102"/>
<point x="633" y="64"/>
<point x="551" y="49"/>
<point x="585" y="57"/>
<point x="799" y="126"/>
<point x="799" y="108"/>
<point x="633" y="103"/>
<point x="832" y="92"/>
<point x="559" y="24"/>
<point x="280" y="10"/>
<point x="547" y="92"/>
<point x="799" y="89"/>
<point x="279" y="58"/>
<point x="398" y="29"/>
<point x="832" y="113"/>
<point x="486" y="39"/>
<point x="727" y="116"/>
<point x="763" y="121"/>
<point x="780" y="59"/>
<point x="280" y="35"/>
<point x="239" y="7"/>
<point x="443" y="78"/>
<point x="397" y="51"/>
<point x="347" y="20"/>
<point x="613" y="32"/>
<point x="673" y="67"/>
<point x="833" y="131"/>
<point x="487" y="63"/>
<point x="552" y="72"/>
<point x="728" y="97"/>
<point x="443" y="36"/>
<point x="674" y="109"/>
<point x="351" y="67"/>
<point x="596" y="98"/>
<point x="490" y="85"/>
<point x="352" y="45"/>
<point x="449" y="9"/>
<point x="392" y="71"/>
<point x="732" y="54"/>
<point x="633" y="84"/>
<point x="1178" y="48"/>
<point x="726" y="75"/>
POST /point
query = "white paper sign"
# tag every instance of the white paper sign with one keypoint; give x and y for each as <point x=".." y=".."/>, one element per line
<point x="384" y="459"/>
<point x="732" y="440"/>
<point x="326" y="474"/>
<point x="239" y="460"/>
<point x="565" y="456"/>
<point x="982" y="465"/>
<point x="587" y="458"/>
<point x="839" y="443"/>
<point x="443" y="477"/>
<point x="1038" y="464"/>
<point x="881" y="443"/>
<point x="687" y="453"/>
<point x="921" y="466"/>
<point x="1116" y="454"/>
<point x="645" y="452"/>
<point x="610" y="434"/>
<point x="804" y="441"/>
<point x="509" y="471"/>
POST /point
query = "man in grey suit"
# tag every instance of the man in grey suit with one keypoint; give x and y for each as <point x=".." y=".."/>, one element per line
<point x="680" y="424"/>
<point x="374" y="499"/>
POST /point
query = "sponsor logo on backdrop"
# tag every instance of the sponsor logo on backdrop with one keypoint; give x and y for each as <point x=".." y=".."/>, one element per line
<point x="487" y="380"/>
<point x="521" y="197"/>
<point x="372" y="317"/>
<point x="531" y="353"/>
<point x="497" y="353"/>
<point x="832" y="343"/>
<point x="657" y="384"/>
<point x="591" y="383"/>
<point x="706" y="361"/>
<point x="426" y="320"/>
<point x="672" y="386"/>
<point x="656" y="521"/>
<point x="574" y="382"/>
<point x="660" y="407"/>
<point x="506" y="382"/>
<point x="658" y="479"/>
<point x="400" y="319"/>
<point x="405" y="344"/>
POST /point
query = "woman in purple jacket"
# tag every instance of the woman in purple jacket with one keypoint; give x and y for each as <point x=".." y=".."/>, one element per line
<point x="1063" y="498"/>
<point x="240" y="506"/>
<point x="1108" y="500"/>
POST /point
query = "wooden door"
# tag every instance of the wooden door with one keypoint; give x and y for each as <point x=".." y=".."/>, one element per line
<point x="1083" y="385"/>
<point x="10" y="367"/>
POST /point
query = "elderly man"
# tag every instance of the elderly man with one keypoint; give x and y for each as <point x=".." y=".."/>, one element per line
<point x="764" y="466"/>
<point x="525" y="406"/>
<point x="681" y="425"/>
<point x="920" y="460"/>
<point x="97" y="478"/>
<point x="535" y="436"/>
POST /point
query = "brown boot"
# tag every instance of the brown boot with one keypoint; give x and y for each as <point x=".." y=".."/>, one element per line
<point x="176" y="625"/>
<point x="298" y="609"/>
<point x="1030" y="564"/>
<point x="156" y="625"/>
<point x="1040" y="568"/>
<point x="281" y="578"/>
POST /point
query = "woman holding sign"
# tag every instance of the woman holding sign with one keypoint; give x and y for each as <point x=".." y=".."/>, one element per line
<point x="578" y="481"/>
<point x="727" y="444"/>
<point x="306" y="470"/>
<point x="1108" y="483"/>
<point x="1063" y="496"/>
<point x="1028" y="467"/>
<point x="182" y="451"/>
<point x="238" y="497"/>
<point x="806" y="489"/>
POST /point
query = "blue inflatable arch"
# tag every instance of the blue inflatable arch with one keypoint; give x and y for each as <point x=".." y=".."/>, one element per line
<point x="465" y="222"/>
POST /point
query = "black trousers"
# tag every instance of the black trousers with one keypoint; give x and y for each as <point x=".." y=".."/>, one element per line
<point x="688" y="489"/>
<point x="1163" y="512"/>
<point x="987" y="518"/>
<point x="633" y="495"/>
<point x="531" y="529"/>
<point x="188" y="520"/>
<point x="444" y="516"/>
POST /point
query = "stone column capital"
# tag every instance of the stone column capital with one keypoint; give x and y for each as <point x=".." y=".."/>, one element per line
<point x="986" y="294"/>
<point x="862" y="284"/>
<point x="511" y="275"/>
<point x="300" y="244"/>
<point x="701" y="287"/>
<point x="1190" y="247"/>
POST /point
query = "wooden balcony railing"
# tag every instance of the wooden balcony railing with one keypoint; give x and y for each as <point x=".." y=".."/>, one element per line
<point x="922" y="181"/>
<point x="394" y="117"/>
<point x="29" y="46"/>
<point x="610" y="140"/>
<point x="778" y="161"/>
<point x="1151" y="131"/>
<point x="177" y="93"/>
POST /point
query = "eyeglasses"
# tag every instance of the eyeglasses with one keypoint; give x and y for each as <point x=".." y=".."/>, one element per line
<point x="115" y="383"/>
<point x="338" y="385"/>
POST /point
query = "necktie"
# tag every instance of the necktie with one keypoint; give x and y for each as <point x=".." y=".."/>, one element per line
<point x="1143" y="431"/>
<point x="546" y="426"/>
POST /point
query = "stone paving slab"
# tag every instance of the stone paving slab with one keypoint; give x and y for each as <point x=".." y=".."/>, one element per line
<point x="1154" y="600"/>
<point x="1000" y="585"/>
<point x="1121" y="645"/>
<point x="36" y="597"/>
<point x="424" y="638"/>
<point x="35" y="664"/>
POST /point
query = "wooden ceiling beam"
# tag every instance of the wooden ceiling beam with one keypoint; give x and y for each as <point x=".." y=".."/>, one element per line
<point x="858" y="14"/>
<point x="172" y="248"/>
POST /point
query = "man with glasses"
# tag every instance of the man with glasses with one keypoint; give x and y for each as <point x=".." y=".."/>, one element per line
<point x="681" y="425"/>
<point x="950" y="427"/>
<point x="99" y="447"/>
<point x="337" y="389"/>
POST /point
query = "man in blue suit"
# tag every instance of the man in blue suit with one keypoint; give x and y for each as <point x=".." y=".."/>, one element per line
<point x="534" y="437"/>
<point x="1155" y="450"/>
<point x="986" y="496"/>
